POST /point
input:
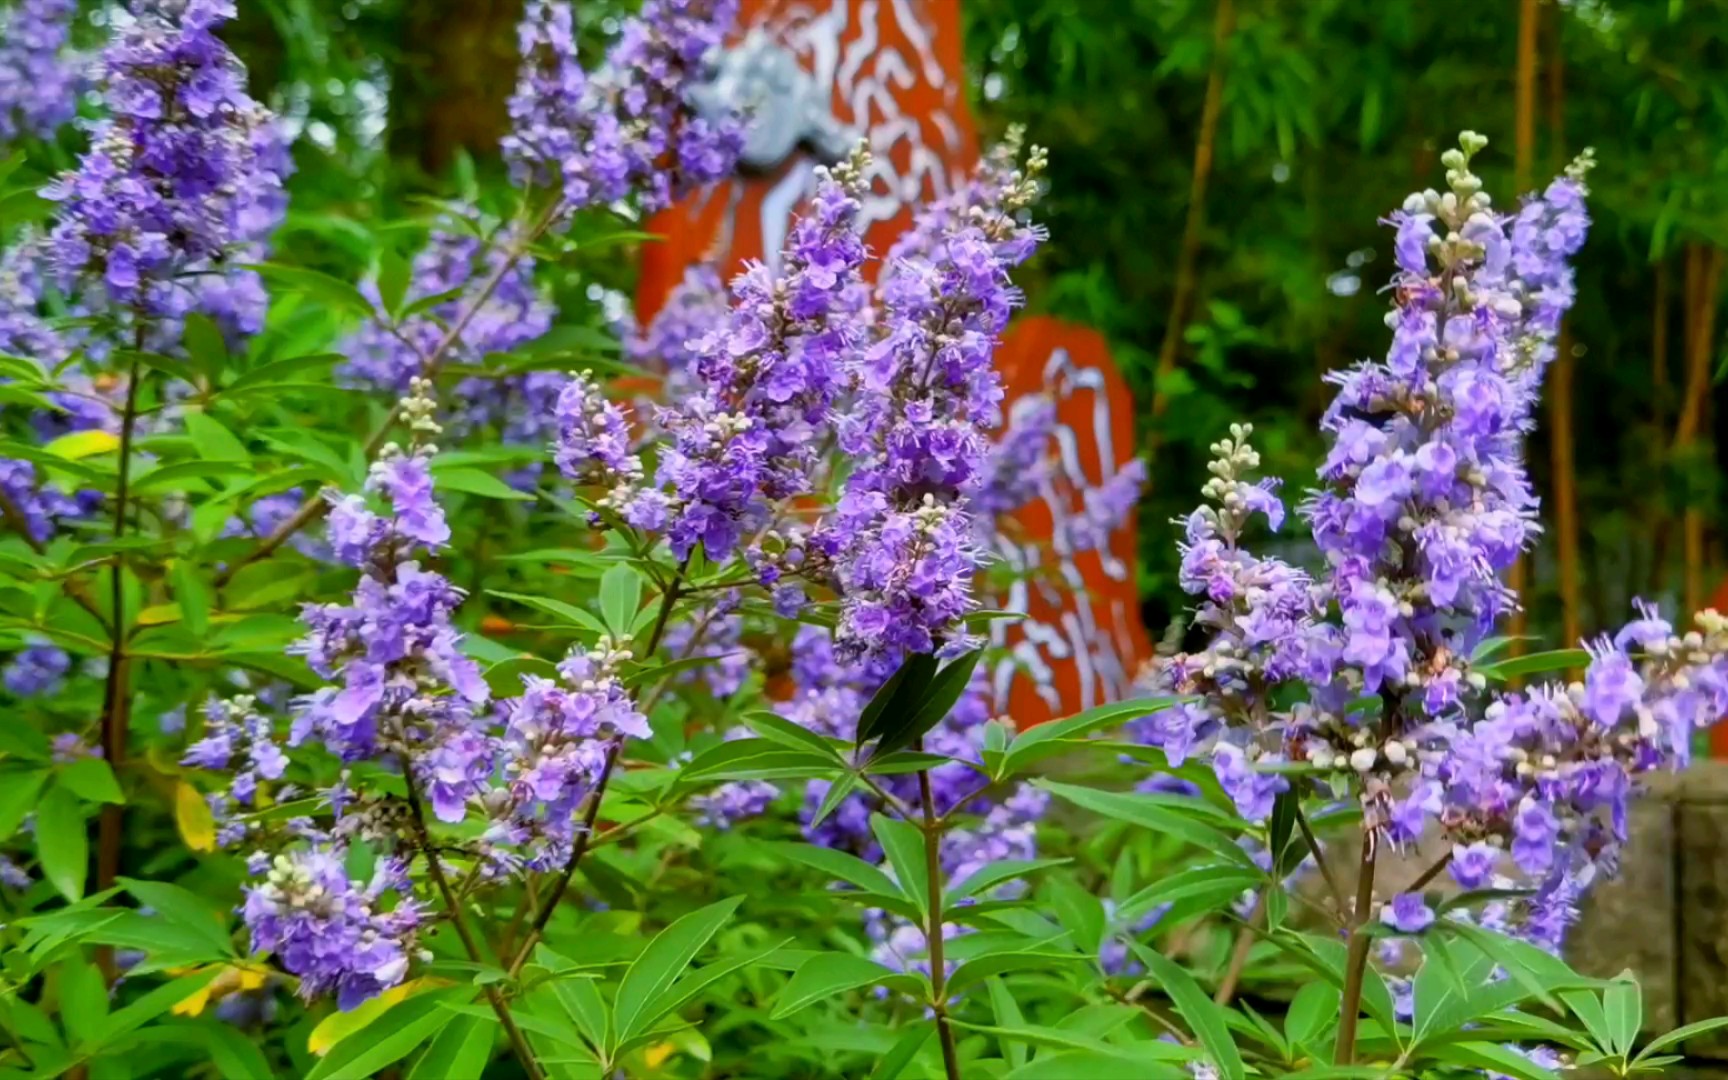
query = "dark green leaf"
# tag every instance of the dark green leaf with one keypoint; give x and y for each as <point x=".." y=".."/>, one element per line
<point x="901" y="693"/>
<point x="899" y="727"/>
<point x="1205" y="1018"/>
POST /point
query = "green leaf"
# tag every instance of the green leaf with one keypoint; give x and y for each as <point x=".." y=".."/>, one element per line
<point x="1588" y="1008"/>
<point x="620" y="597"/>
<point x="1008" y="1015"/>
<point x="1079" y="912"/>
<point x="994" y="873"/>
<point x="1494" y="1058"/>
<point x="475" y="482"/>
<point x="505" y="677"/>
<point x="904" y="846"/>
<point x="92" y="779"/>
<point x="1059" y="1038"/>
<point x="843" y="785"/>
<point x="267" y="376"/>
<point x="1153" y="813"/>
<point x="235" y="1056"/>
<point x="182" y="907"/>
<point x="83" y="1000"/>
<point x="1681" y="1034"/>
<point x="781" y="730"/>
<point x="460" y="1050"/>
<point x="838" y="865"/>
<point x="825" y="975"/>
<point x="186" y="476"/>
<point x="388" y="1039"/>
<point x="18" y="791"/>
<point x="1534" y="664"/>
<point x="658" y="967"/>
<point x="976" y="971"/>
<point x="317" y="285"/>
<point x="1205" y="1018"/>
<point x="213" y="440"/>
<point x="1623" y="1004"/>
<point x="688" y="988"/>
<point x="568" y="614"/>
<point x="393" y="277"/>
<point x="1313" y="1014"/>
<point x="205" y="345"/>
<point x="1058" y="736"/>
<point x="1220" y="884"/>
<point x="901" y="693"/>
<point x="752" y="759"/>
<point x="193" y="596"/>
<point x="897" y="728"/>
<point x="62" y="844"/>
<point x="153" y="1004"/>
<point x="900" y="1055"/>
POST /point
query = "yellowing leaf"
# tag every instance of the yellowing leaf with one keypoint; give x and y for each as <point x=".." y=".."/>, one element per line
<point x="192" y="814"/>
<point x="231" y="979"/>
<point x="159" y="614"/>
<point x="83" y="444"/>
<point x="656" y="1055"/>
<point x="338" y="1026"/>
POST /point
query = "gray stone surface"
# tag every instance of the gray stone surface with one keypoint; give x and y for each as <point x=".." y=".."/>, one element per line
<point x="1629" y="922"/>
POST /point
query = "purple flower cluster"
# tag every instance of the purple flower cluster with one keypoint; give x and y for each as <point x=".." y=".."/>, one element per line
<point x="557" y="737"/>
<point x="902" y="538"/>
<point x="631" y="131"/>
<point x="238" y="736"/>
<point x="174" y="175"/>
<point x="767" y="375"/>
<point x="40" y="77"/>
<point x="404" y="682"/>
<point x="37" y="670"/>
<point x="594" y="447"/>
<point x="336" y="935"/>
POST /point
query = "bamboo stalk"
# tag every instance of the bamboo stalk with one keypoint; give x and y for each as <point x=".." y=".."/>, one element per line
<point x="1523" y="155"/>
<point x="1706" y="282"/>
<point x="1188" y="256"/>
<point x="1562" y="456"/>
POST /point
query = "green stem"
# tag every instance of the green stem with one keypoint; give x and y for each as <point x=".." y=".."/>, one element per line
<point x="933" y="930"/>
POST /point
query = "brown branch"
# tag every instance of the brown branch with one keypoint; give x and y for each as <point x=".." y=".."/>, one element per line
<point x="1356" y="957"/>
<point x="1523" y="155"/>
<point x="1705" y="278"/>
<point x="1239" y="955"/>
<point x="116" y="692"/>
<point x="1188" y="256"/>
<point x="1563" y="462"/>
<point x="435" y="869"/>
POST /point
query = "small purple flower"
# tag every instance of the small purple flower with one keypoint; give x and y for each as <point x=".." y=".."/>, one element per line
<point x="36" y="671"/>
<point x="1408" y="913"/>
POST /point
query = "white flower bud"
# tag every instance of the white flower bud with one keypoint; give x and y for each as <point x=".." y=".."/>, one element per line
<point x="1363" y="760"/>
